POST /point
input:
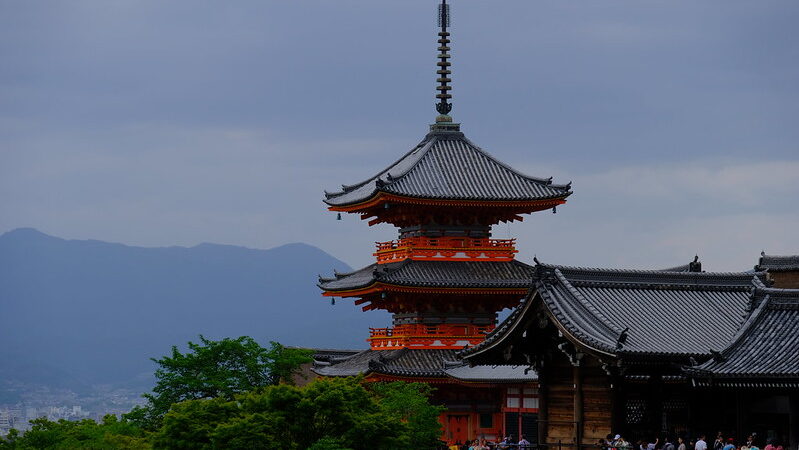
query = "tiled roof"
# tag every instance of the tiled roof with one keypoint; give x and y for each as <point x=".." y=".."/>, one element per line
<point x="493" y="374"/>
<point x="455" y="274"/>
<point x="767" y="345"/>
<point x="774" y="263"/>
<point x="420" y="363"/>
<point x="502" y="330"/>
<point x="446" y="165"/>
<point x="678" y="313"/>
<point x="639" y="312"/>
<point x="403" y="362"/>
<point x="693" y="266"/>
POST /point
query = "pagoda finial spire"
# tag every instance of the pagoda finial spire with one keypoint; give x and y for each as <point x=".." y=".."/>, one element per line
<point x="443" y="106"/>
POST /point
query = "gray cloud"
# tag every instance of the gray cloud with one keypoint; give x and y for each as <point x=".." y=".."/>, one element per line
<point x="159" y="123"/>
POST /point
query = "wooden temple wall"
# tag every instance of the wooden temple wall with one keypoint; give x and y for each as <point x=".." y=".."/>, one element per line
<point x="785" y="280"/>
<point x="577" y="404"/>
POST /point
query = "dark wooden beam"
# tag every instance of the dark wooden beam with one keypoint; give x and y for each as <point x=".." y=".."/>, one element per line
<point x="578" y="404"/>
<point x="543" y="405"/>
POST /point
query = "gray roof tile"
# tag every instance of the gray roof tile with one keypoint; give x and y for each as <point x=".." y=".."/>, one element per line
<point x="403" y="362"/>
<point x="767" y="345"/>
<point x="456" y="274"/>
<point x="493" y="374"/>
<point x="419" y="363"/>
<point x="446" y="165"/>
<point x="679" y="313"/>
<point x="667" y="313"/>
<point x="774" y="263"/>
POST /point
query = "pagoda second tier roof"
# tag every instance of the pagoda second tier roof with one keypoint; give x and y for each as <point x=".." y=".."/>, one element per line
<point x="443" y="274"/>
<point x="406" y="362"/>
<point x="447" y="166"/>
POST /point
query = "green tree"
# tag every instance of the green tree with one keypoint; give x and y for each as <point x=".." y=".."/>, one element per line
<point x="85" y="434"/>
<point x="331" y="414"/>
<point x="408" y="403"/>
<point x="216" y="369"/>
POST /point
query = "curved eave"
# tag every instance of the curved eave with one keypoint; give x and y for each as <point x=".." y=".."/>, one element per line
<point x="499" y="334"/>
<point x="382" y="197"/>
<point x="578" y="339"/>
<point x="386" y="287"/>
<point x="373" y="376"/>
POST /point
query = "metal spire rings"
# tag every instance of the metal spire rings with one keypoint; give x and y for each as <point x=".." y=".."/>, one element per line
<point x="443" y="106"/>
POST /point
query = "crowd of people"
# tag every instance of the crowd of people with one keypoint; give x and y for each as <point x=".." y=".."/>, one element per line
<point x="507" y="443"/>
<point x="618" y="442"/>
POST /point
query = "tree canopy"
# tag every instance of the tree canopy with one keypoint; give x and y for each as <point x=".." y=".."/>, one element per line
<point x="85" y="434"/>
<point x="336" y="413"/>
<point x="213" y="369"/>
<point x="236" y="394"/>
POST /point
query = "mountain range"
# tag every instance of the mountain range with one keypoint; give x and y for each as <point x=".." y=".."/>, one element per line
<point x="77" y="313"/>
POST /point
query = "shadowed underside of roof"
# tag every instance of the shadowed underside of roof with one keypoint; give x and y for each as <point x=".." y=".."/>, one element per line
<point x="445" y="274"/>
<point x="446" y="165"/>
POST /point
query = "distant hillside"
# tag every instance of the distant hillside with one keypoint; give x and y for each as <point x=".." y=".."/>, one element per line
<point x="98" y="311"/>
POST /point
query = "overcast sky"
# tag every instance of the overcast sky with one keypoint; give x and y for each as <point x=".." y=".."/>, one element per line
<point x="178" y="122"/>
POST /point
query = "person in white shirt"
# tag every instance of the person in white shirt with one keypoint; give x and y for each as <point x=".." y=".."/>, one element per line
<point x="701" y="444"/>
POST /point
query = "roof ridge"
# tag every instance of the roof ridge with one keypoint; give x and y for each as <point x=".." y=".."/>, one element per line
<point x="665" y="273"/>
<point x="766" y="255"/>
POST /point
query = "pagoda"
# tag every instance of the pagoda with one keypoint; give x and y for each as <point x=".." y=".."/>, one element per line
<point x="444" y="278"/>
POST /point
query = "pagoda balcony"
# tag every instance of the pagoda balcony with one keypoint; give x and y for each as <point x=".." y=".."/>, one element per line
<point x="418" y="336"/>
<point x="448" y="248"/>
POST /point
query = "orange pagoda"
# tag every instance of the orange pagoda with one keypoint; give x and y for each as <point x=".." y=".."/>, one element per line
<point x="444" y="278"/>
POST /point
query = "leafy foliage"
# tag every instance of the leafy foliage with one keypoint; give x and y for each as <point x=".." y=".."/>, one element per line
<point x="234" y="394"/>
<point x="408" y="403"/>
<point x="86" y="434"/>
<point x="216" y="369"/>
<point x="334" y="414"/>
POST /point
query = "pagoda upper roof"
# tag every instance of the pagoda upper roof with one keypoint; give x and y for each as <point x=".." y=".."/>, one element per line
<point x="448" y="166"/>
<point x="446" y="274"/>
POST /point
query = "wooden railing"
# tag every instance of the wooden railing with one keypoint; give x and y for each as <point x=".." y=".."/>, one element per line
<point x="447" y="248"/>
<point x="442" y="336"/>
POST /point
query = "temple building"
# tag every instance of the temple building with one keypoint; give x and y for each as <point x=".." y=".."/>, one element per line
<point x="444" y="278"/>
<point x="585" y="352"/>
<point x="783" y="271"/>
<point x="649" y="353"/>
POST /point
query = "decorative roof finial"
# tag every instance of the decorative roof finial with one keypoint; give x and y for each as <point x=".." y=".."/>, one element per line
<point x="443" y="106"/>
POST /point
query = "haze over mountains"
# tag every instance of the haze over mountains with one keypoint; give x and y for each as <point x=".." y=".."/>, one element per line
<point x="79" y="313"/>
